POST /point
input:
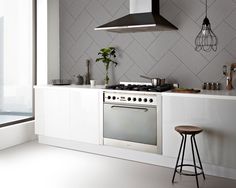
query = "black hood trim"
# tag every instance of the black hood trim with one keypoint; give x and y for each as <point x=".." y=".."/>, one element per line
<point x="151" y="21"/>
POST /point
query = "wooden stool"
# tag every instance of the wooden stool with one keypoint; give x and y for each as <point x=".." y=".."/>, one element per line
<point x="184" y="131"/>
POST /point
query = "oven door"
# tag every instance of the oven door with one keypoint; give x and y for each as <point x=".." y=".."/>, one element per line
<point x="130" y="126"/>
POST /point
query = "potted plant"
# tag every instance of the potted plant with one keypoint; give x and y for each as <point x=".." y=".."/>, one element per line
<point x="107" y="56"/>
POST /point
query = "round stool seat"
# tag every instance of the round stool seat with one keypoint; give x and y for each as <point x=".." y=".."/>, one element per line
<point x="187" y="129"/>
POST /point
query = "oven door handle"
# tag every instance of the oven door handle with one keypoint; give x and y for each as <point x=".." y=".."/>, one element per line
<point x="129" y="107"/>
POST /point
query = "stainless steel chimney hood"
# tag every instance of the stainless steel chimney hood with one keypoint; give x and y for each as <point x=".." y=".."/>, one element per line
<point x="144" y="16"/>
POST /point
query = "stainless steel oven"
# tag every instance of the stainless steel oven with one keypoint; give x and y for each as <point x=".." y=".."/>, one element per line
<point x="132" y="121"/>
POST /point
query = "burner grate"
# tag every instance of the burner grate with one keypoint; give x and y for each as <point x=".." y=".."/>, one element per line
<point x="135" y="87"/>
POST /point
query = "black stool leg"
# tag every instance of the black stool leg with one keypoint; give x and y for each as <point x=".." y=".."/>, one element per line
<point x="199" y="157"/>
<point x="185" y="138"/>
<point x="173" y="179"/>
<point x="194" y="162"/>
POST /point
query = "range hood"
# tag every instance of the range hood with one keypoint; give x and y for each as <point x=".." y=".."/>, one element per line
<point x="144" y="16"/>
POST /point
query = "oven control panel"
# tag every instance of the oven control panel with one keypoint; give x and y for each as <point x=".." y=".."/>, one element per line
<point x="127" y="98"/>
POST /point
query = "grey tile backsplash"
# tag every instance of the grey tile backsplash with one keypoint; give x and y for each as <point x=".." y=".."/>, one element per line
<point x="170" y="55"/>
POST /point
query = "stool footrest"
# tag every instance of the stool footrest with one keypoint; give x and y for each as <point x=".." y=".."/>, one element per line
<point x="198" y="170"/>
<point x="189" y="174"/>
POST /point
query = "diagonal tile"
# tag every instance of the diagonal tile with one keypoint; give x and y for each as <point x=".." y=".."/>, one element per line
<point x="169" y="10"/>
<point x="98" y="12"/>
<point x="123" y="10"/>
<point x="124" y="63"/>
<point x="66" y="3"/>
<point x="122" y="41"/>
<point x="225" y="35"/>
<point x="80" y="24"/>
<point x="78" y="49"/>
<point x="92" y="51"/>
<point x="66" y="61"/>
<point x="167" y="65"/>
<point x="163" y="43"/>
<point x="133" y="74"/>
<point x="64" y="74"/>
<point x="192" y="59"/>
<point x="231" y="19"/>
<point x="209" y="2"/>
<point x="144" y="38"/>
<point x="187" y="28"/>
<point x="66" y="20"/>
<point x="192" y="8"/>
<point x="66" y="40"/>
<point x="147" y="53"/>
<point x="80" y="66"/>
<point x="213" y="72"/>
<point x="218" y="11"/>
<point x="97" y="75"/>
<point x="231" y="48"/>
<point x="100" y="37"/>
<point x="140" y="56"/>
<point x="113" y="6"/>
<point x="77" y="7"/>
<point x="186" y="78"/>
<point x="123" y="79"/>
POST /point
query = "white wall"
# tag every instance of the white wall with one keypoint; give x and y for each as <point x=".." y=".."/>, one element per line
<point x="48" y="57"/>
<point x="16" y="134"/>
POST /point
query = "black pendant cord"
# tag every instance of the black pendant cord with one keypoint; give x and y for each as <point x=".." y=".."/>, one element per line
<point x="206" y="9"/>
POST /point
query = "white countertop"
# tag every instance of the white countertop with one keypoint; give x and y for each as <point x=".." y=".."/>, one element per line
<point x="222" y="94"/>
<point x="71" y="86"/>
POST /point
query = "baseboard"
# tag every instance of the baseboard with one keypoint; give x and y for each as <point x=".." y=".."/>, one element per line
<point x="16" y="134"/>
<point x="132" y="155"/>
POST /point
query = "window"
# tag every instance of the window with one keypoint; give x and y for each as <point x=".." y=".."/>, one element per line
<point x="16" y="60"/>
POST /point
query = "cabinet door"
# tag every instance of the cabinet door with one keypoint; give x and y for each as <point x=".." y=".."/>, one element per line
<point x="216" y="143"/>
<point x="52" y="112"/>
<point x="85" y="115"/>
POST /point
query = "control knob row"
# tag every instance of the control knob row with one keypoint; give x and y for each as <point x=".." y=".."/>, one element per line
<point x="134" y="99"/>
<point x="140" y="99"/>
<point x="109" y="97"/>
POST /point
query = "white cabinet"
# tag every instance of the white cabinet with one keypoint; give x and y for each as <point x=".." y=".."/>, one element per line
<point x="52" y="112"/>
<point x="68" y="113"/>
<point x="216" y="116"/>
<point x="84" y="115"/>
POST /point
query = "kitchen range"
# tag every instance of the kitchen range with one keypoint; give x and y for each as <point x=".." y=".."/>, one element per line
<point x="133" y="119"/>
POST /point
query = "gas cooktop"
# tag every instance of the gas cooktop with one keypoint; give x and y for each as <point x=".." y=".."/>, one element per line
<point x="140" y="87"/>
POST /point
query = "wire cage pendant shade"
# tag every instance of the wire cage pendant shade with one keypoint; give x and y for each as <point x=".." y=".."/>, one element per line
<point x="206" y="40"/>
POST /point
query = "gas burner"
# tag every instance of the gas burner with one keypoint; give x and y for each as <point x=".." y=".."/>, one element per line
<point x="144" y="87"/>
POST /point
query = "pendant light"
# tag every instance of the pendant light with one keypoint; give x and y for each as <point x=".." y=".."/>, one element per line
<point x="206" y="40"/>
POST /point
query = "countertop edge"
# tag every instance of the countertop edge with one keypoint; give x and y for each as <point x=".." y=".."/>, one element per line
<point x="222" y="94"/>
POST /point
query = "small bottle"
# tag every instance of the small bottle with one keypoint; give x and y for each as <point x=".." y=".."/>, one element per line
<point x="204" y="85"/>
<point x="208" y="86"/>
<point x="213" y="86"/>
<point x="218" y="86"/>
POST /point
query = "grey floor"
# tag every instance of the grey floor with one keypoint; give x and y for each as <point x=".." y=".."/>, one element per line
<point x="33" y="165"/>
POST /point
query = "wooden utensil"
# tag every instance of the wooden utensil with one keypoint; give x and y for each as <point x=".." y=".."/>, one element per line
<point x="183" y="90"/>
<point x="87" y="76"/>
